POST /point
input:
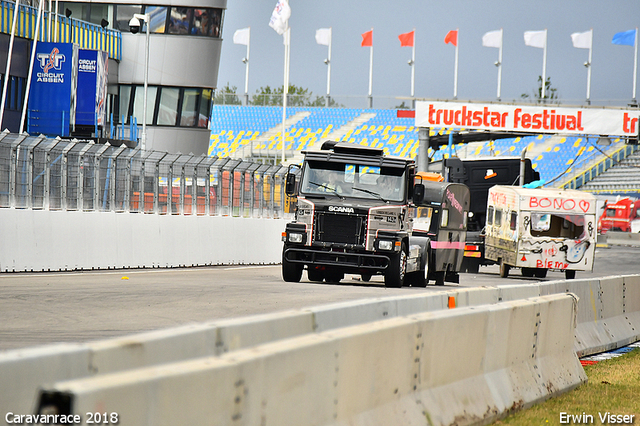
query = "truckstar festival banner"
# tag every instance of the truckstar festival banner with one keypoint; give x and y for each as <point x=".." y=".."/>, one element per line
<point x="528" y="118"/>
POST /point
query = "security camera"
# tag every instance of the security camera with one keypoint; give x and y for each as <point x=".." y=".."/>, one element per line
<point x="134" y="25"/>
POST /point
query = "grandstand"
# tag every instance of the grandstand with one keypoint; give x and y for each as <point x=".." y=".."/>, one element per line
<point x="253" y="132"/>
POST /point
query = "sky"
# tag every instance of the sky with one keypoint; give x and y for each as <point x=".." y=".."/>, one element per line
<point x="612" y="65"/>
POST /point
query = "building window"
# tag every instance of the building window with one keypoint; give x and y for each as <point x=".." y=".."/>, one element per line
<point x="183" y="107"/>
<point x="195" y="21"/>
<point x="168" y="107"/>
<point x="138" y="103"/>
<point x="125" y="99"/>
<point x="189" y="107"/>
<point x="179" y="20"/>
<point x="158" y="18"/>
<point x="124" y="13"/>
<point x="205" y="108"/>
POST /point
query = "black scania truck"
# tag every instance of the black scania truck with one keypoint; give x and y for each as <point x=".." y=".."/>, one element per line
<point x="355" y="213"/>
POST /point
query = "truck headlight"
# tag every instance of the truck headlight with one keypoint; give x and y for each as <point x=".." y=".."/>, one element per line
<point x="385" y="245"/>
<point x="295" y="237"/>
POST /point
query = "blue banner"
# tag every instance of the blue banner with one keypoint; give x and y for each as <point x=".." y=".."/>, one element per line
<point x="53" y="89"/>
<point x="92" y="87"/>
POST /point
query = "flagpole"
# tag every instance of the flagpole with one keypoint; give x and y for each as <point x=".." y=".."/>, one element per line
<point x="499" y="64"/>
<point x="635" y="65"/>
<point x="413" y="68"/>
<point x="371" y="72"/>
<point x="544" y="65"/>
<point x="30" y="75"/>
<point x="246" y="76"/>
<point x="285" y="91"/>
<point x="455" y="72"/>
<point x="589" y="71"/>
<point x="329" y="69"/>
<point x="9" y="57"/>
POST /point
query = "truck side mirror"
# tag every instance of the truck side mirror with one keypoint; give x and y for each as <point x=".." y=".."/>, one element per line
<point x="418" y="193"/>
<point x="290" y="184"/>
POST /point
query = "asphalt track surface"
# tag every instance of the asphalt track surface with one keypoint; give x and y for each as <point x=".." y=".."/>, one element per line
<point x="43" y="308"/>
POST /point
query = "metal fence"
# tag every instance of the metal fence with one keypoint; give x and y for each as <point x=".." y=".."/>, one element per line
<point x="55" y="174"/>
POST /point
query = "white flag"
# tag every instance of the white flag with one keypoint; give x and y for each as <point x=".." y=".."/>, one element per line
<point x="323" y="36"/>
<point x="492" y="39"/>
<point x="279" y="17"/>
<point x="535" y="38"/>
<point x="582" y="40"/>
<point x="242" y="36"/>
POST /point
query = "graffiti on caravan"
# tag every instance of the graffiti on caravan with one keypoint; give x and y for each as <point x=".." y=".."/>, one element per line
<point x="528" y="118"/>
<point x="559" y="204"/>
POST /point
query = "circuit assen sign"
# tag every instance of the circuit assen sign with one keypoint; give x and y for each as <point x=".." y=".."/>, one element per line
<point x="528" y="118"/>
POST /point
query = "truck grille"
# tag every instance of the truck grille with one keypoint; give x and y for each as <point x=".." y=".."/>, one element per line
<point x="340" y="228"/>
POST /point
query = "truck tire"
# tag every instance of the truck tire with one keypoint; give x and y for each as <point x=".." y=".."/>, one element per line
<point x="315" y="275"/>
<point x="504" y="269"/>
<point x="473" y="267"/>
<point x="439" y="277"/>
<point x="397" y="269"/>
<point x="291" y="272"/>
<point x="570" y="275"/>
<point x="333" y="277"/>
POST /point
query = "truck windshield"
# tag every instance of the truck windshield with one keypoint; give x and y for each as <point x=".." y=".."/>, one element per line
<point x="353" y="180"/>
<point x="557" y="225"/>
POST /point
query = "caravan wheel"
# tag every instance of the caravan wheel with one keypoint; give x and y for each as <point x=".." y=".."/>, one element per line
<point x="504" y="269"/>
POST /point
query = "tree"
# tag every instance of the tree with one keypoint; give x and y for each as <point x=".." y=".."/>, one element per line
<point x="268" y="96"/>
<point x="227" y="96"/>
<point x="550" y="93"/>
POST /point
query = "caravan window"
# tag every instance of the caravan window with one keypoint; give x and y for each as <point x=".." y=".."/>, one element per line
<point x="490" y="215"/>
<point x="498" y="218"/>
<point x="540" y="222"/>
<point x="514" y="221"/>
<point x="557" y="225"/>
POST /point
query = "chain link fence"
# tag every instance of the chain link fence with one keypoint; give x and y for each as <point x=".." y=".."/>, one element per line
<point x="55" y="174"/>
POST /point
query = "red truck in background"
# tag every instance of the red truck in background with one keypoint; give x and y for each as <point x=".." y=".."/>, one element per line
<point x="619" y="215"/>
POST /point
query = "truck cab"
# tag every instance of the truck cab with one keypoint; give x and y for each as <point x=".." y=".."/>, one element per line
<point x="355" y="214"/>
<point x="619" y="216"/>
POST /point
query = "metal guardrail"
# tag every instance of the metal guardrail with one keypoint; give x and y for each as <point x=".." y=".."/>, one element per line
<point x="55" y="174"/>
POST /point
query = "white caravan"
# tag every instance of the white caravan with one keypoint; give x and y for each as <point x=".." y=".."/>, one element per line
<point x="540" y="229"/>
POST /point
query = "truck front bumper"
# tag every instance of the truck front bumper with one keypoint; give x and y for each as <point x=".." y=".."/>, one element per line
<point x="347" y="261"/>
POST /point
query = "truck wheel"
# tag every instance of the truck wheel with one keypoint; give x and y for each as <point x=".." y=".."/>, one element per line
<point x="541" y="273"/>
<point x="439" y="276"/>
<point x="333" y="277"/>
<point x="473" y="267"/>
<point x="396" y="271"/>
<point x="570" y="274"/>
<point x="504" y="269"/>
<point x="291" y="272"/>
<point x="315" y="275"/>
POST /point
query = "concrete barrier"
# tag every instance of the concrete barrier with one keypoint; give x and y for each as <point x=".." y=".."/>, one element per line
<point x="608" y="317"/>
<point x="621" y="238"/>
<point x="413" y="370"/>
<point x="43" y="240"/>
